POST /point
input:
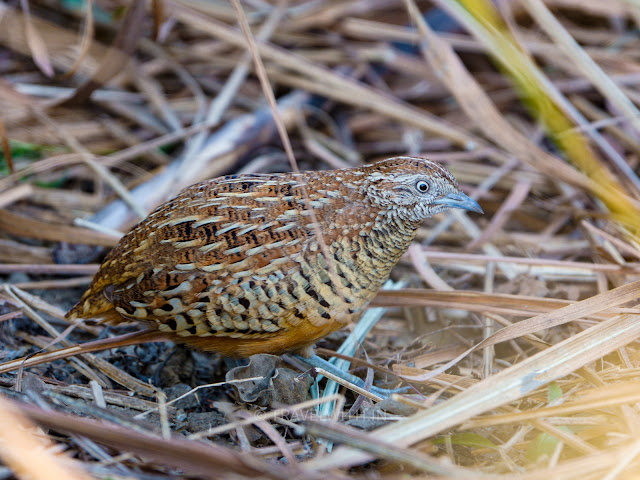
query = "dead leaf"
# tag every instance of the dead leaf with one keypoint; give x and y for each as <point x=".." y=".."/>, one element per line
<point x="278" y="386"/>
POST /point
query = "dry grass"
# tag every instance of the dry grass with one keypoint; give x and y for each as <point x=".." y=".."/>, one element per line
<point x="516" y="330"/>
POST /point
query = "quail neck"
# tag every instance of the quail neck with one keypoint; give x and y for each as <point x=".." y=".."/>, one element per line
<point x="247" y="264"/>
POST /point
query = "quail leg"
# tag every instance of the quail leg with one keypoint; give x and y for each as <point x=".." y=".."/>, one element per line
<point x="316" y="361"/>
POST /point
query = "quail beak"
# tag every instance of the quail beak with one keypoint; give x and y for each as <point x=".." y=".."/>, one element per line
<point x="459" y="200"/>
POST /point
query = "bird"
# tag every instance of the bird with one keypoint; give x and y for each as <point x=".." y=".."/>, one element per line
<point x="268" y="263"/>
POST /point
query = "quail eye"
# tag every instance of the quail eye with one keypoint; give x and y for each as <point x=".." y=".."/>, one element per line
<point x="422" y="186"/>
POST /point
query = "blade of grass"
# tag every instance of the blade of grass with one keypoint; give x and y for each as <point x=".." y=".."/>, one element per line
<point x="548" y="104"/>
<point x="607" y="87"/>
<point x="509" y="385"/>
<point x="28" y="452"/>
<point x="358" y="94"/>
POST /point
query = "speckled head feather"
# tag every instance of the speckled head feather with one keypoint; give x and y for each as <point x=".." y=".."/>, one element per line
<point x="237" y="264"/>
<point x="408" y="186"/>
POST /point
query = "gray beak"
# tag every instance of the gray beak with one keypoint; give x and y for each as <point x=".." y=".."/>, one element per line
<point x="459" y="200"/>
